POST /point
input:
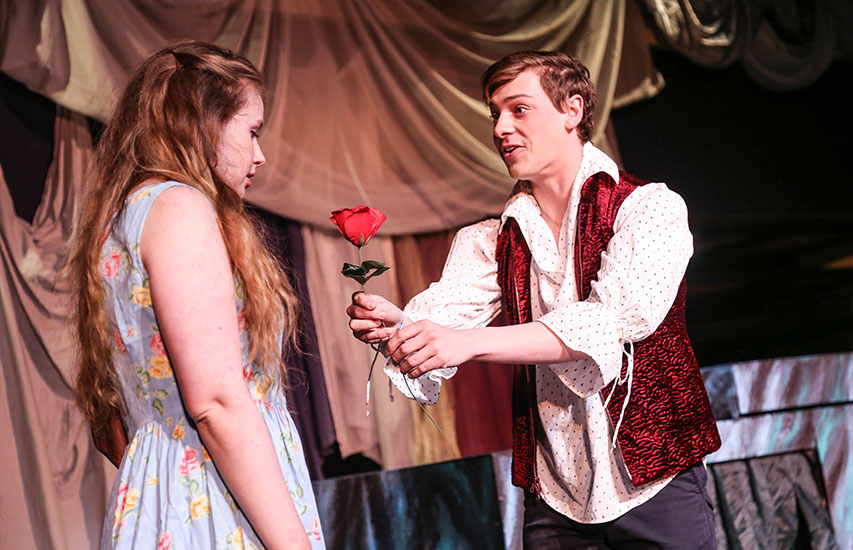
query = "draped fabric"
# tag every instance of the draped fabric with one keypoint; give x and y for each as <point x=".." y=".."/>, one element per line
<point x="783" y="45"/>
<point x="371" y="101"/>
<point x="386" y="435"/>
<point x="307" y="397"/>
<point x="54" y="482"/>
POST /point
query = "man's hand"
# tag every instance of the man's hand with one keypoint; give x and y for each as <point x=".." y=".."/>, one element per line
<point x="423" y="346"/>
<point x="373" y="319"/>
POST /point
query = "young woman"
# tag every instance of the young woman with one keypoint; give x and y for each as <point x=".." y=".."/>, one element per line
<point x="181" y="313"/>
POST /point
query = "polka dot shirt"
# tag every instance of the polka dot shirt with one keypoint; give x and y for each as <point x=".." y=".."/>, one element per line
<point x="582" y="474"/>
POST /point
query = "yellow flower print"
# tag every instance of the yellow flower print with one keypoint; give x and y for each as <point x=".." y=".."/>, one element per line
<point x="238" y="538"/>
<point x="120" y="500"/>
<point x="139" y="196"/>
<point x="204" y="453"/>
<point x="199" y="507"/>
<point x="131" y="450"/>
<point x="140" y="296"/>
<point x="178" y="432"/>
<point x="130" y="500"/>
<point x="261" y="387"/>
<point x="159" y="367"/>
<point x="152" y="481"/>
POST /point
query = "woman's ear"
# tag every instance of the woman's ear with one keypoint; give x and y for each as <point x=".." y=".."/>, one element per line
<point x="574" y="112"/>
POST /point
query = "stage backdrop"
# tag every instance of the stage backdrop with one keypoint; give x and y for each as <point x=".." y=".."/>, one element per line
<point x="371" y="102"/>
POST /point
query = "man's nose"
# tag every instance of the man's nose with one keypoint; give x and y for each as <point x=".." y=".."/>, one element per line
<point x="503" y="125"/>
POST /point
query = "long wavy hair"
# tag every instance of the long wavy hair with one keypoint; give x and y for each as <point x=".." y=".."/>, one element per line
<point x="166" y="126"/>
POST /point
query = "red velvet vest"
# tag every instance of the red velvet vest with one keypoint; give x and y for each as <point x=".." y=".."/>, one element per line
<point x="668" y="424"/>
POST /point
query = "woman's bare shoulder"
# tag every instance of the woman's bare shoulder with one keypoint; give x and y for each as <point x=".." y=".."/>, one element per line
<point x="180" y="214"/>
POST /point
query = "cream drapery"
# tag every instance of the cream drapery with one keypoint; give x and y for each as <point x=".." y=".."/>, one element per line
<point x="371" y="101"/>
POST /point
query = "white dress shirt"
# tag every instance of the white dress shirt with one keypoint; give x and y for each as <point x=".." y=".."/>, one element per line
<point x="581" y="472"/>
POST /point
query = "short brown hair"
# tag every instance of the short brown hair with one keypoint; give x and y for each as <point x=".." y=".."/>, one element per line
<point x="561" y="76"/>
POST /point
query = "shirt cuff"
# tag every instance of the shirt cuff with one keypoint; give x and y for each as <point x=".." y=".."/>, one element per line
<point x="593" y="331"/>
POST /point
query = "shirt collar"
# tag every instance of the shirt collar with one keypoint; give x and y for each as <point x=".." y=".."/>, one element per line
<point x="593" y="161"/>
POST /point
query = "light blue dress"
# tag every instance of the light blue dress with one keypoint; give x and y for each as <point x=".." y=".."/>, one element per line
<point x="168" y="494"/>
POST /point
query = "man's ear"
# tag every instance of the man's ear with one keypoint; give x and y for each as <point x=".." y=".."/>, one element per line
<point x="573" y="107"/>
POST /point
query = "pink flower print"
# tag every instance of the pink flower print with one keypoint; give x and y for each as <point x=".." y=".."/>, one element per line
<point x="165" y="541"/>
<point x="314" y="529"/>
<point x="241" y="322"/>
<point x="118" y="342"/>
<point x="248" y="374"/>
<point x="126" y="500"/>
<point x="156" y="344"/>
<point x="111" y="265"/>
<point x="119" y="511"/>
<point x="189" y="462"/>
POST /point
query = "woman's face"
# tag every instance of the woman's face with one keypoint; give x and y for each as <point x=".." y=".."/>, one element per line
<point x="238" y="151"/>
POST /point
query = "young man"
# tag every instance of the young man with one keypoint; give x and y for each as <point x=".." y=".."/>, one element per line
<point x="611" y="418"/>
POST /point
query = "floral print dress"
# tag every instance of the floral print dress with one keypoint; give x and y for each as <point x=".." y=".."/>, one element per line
<point x="168" y="494"/>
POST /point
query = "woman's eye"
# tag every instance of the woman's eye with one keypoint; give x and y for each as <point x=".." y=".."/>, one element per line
<point x="520" y="109"/>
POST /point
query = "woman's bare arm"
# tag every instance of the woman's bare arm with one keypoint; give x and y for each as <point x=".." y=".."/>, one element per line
<point x="193" y="288"/>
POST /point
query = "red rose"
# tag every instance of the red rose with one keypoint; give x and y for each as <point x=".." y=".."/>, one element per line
<point x="358" y="224"/>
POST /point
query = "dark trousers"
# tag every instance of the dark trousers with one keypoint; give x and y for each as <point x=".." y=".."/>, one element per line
<point x="679" y="517"/>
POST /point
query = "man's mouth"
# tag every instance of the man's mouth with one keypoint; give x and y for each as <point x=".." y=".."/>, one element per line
<point x="507" y="150"/>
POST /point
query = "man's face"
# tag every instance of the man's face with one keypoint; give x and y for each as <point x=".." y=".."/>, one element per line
<point x="530" y="134"/>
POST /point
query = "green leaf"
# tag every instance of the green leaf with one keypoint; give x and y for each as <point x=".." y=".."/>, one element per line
<point x="378" y="268"/>
<point x="157" y="404"/>
<point x="161" y="393"/>
<point x="195" y="488"/>
<point x="349" y="270"/>
<point x="356" y="272"/>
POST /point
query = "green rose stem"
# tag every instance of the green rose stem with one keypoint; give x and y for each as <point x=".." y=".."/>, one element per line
<point x="378" y="348"/>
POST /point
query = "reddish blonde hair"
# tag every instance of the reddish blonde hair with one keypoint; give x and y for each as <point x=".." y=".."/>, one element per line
<point x="166" y="126"/>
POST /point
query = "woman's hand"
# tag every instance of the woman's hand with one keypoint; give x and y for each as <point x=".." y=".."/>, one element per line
<point x="373" y="319"/>
<point x="424" y="346"/>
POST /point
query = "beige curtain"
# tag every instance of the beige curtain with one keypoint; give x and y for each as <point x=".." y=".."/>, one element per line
<point x="372" y="101"/>
<point x="54" y="482"/>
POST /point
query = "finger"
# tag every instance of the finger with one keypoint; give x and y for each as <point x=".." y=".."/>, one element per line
<point x="430" y="364"/>
<point x="363" y="299"/>
<point x="413" y="352"/>
<point x="380" y="335"/>
<point x="411" y="330"/>
<point x="415" y="360"/>
<point x="358" y="312"/>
